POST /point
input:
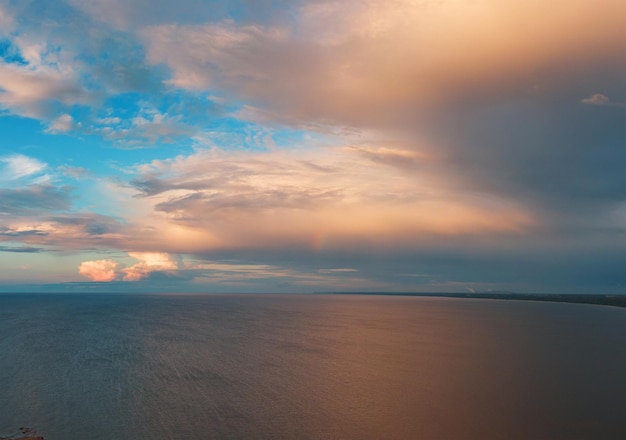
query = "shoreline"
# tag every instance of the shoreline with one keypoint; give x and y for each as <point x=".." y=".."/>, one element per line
<point x="600" y="300"/>
<point x="24" y="434"/>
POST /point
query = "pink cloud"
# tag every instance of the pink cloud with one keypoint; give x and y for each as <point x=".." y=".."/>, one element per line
<point x="27" y="90"/>
<point x="310" y="199"/>
<point x="99" y="270"/>
<point x="111" y="270"/>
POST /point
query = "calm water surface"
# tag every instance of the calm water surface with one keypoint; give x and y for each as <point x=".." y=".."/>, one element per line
<point x="310" y="367"/>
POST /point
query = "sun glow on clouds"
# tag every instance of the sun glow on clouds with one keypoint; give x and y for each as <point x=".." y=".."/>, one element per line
<point x="328" y="132"/>
<point x="350" y="198"/>
<point x="341" y="196"/>
<point x="99" y="270"/>
<point x="364" y="63"/>
<point x="111" y="270"/>
<point x="148" y="262"/>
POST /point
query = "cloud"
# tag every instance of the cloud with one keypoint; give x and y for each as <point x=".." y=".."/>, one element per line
<point x="57" y="73"/>
<point x="360" y="63"/>
<point x="338" y="270"/>
<point x="602" y="100"/>
<point x="596" y="99"/>
<point x="75" y="172"/>
<point x="160" y="270"/>
<point x="440" y="136"/>
<point x="20" y="232"/>
<point x="18" y="166"/>
<point x="35" y="91"/>
<point x="159" y="127"/>
<point x="99" y="270"/>
<point x="20" y="249"/>
<point x="311" y="199"/>
<point x="149" y="262"/>
<point x="34" y="199"/>
<point x="7" y="24"/>
<point x="66" y="231"/>
<point x="490" y="89"/>
<point x="62" y="124"/>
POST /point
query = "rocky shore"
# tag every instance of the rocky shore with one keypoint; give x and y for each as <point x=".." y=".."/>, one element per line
<point x="24" y="434"/>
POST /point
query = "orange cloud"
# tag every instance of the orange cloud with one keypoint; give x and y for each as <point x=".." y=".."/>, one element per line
<point x="99" y="270"/>
<point x="368" y="62"/>
<point x="350" y="196"/>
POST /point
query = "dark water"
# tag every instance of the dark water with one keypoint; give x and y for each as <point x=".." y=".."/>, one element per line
<point x="310" y="367"/>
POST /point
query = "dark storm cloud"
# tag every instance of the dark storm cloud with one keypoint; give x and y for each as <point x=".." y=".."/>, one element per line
<point x="554" y="152"/>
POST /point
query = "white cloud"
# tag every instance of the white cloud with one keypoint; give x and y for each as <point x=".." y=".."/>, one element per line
<point x="18" y="166"/>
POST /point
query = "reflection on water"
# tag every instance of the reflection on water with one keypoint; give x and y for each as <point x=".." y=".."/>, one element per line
<point x="310" y="367"/>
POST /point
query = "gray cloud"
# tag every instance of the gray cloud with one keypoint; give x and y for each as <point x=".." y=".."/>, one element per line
<point x="92" y="224"/>
<point x="21" y="249"/>
<point x="8" y="232"/>
<point x="34" y="199"/>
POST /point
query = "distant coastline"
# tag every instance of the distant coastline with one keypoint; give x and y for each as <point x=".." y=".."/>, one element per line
<point x="24" y="434"/>
<point x="603" y="300"/>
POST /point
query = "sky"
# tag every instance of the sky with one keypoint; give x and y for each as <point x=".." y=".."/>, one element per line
<point x="313" y="145"/>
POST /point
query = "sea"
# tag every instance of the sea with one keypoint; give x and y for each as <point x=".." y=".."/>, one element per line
<point x="130" y="367"/>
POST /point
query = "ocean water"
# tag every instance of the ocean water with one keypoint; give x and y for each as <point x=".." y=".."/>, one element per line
<point x="310" y="367"/>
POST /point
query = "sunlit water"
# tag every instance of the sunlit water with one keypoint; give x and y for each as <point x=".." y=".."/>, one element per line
<point x="310" y="367"/>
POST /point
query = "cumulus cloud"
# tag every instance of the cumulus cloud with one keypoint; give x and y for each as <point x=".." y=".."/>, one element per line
<point x="149" y="262"/>
<point x="99" y="270"/>
<point x="112" y="270"/>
